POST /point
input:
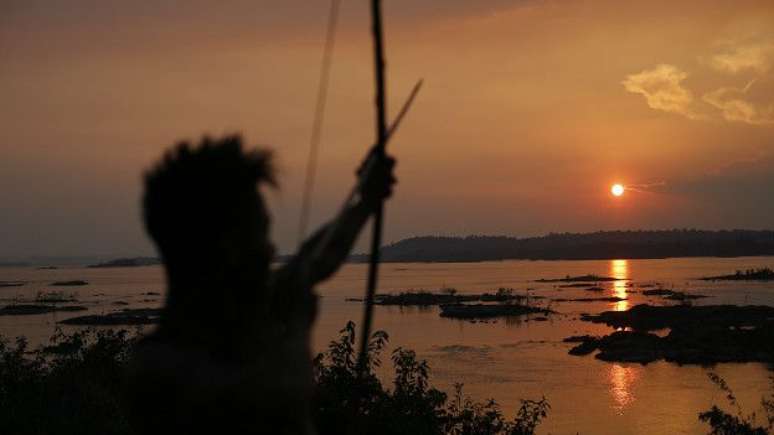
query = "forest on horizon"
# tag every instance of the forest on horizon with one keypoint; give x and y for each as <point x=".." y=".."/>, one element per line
<point x="581" y="246"/>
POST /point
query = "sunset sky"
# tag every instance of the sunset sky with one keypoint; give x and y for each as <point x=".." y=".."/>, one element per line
<point x="530" y="112"/>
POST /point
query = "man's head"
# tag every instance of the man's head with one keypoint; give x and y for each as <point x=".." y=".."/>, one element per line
<point x="203" y="210"/>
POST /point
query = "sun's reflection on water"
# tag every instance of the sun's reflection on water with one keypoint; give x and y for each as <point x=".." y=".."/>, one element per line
<point x="621" y="381"/>
<point x="621" y="378"/>
<point x="620" y="269"/>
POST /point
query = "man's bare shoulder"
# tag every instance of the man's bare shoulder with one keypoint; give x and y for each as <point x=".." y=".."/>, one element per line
<point x="289" y="275"/>
<point x="293" y="297"/>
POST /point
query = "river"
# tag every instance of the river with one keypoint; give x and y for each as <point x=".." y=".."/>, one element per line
<point x="504" y="360"/>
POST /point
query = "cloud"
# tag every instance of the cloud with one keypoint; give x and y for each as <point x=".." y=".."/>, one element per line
<point x="735" y="106"/>
<point x="647" y="187"/>
<point x="739" y="104"/>
<point x="737" y="195"/>
<point x="756" y="58"/>
<point x="663" y="90"/>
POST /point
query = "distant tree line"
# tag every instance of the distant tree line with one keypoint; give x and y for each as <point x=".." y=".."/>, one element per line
<point x="585" y="246"/>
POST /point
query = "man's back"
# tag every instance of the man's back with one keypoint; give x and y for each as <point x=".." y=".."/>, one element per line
<point x="179" y="389"/>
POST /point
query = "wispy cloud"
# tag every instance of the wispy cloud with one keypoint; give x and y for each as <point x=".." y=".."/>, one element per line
<point x="752" y="104"/>
<point x="647" y="187"/>
<point x="755" y="58"/>
<point x="734" y="105"/>
<point x="663" y="90"/>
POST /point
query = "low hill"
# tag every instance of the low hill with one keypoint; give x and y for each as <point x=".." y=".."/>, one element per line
<point x="128" y="262"/>
<point x="587" y="246"/>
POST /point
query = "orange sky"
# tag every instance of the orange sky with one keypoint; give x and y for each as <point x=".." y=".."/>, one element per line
<point x="530" y="111"/>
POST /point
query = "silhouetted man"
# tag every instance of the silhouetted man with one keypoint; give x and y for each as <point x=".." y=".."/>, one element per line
<point x="231" y="354"/>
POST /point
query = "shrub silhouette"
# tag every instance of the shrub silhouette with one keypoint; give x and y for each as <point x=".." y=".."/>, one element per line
<point x="724" y="423"/>
<point x="76" y="384"/>
<point x="72" y="386"/>
<point x="346" y="403"/>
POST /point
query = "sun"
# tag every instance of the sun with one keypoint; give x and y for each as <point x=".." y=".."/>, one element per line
<point x="617" y="189"/>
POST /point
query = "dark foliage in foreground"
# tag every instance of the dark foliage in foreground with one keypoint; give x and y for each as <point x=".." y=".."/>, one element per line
<point x="723" y="423"/>
<point x="76" y="385"/>
<point x="346" y="403"/>
<point x="72" y="386"/>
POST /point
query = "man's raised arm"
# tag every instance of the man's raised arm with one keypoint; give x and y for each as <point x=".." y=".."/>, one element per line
<point x="328" y="248"/>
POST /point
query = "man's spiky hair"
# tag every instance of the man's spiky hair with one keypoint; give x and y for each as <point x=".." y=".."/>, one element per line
<point x="196" y="192"/>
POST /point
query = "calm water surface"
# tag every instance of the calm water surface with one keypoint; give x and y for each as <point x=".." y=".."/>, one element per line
<point x="505" y="360"/>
